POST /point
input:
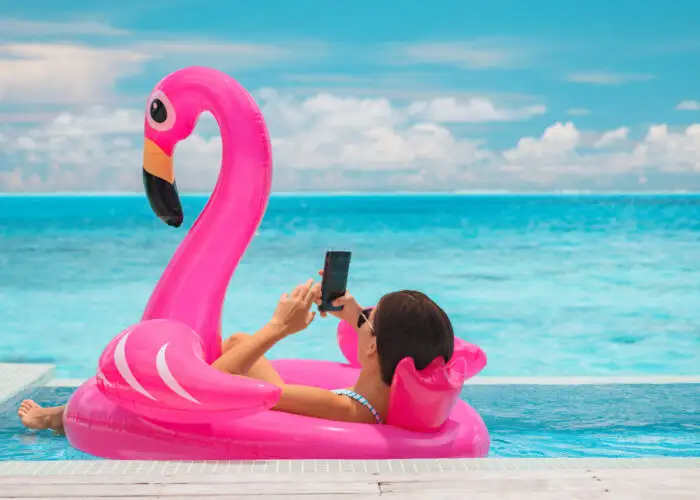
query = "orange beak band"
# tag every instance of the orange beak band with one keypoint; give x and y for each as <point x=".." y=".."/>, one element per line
<point x="157" y="163"/>
<point x="160" y="186"/>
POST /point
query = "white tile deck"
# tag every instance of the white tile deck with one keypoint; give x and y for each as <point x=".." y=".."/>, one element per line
<point x="16" y="378"/>
<point x="445" y="479"/>
<point x="412" y="467"/>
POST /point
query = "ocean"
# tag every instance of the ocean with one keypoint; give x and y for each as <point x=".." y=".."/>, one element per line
<point x="547" y="285"/>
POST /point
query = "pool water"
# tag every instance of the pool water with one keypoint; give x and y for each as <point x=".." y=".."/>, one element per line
<point x="527" y="421"/>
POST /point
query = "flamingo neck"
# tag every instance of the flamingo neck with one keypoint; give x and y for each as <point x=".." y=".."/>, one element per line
<point x="193" y="286"/>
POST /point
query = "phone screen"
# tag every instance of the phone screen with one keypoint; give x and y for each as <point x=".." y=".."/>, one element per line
<point x="335" y="279"/>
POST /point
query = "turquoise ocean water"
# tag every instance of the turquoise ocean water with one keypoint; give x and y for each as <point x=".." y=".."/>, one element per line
<point x="547" y="285"/>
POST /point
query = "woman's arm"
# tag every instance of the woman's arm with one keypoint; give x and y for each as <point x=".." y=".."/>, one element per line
<point x="238" y="361"/>
<point x="298" y="399"/>
<point x="291" y="316"/>
<point x="321" y="403"/>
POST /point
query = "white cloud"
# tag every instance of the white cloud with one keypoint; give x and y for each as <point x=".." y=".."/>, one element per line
<point x="51" y="62"/>
<point x="560" y="151"/>
<point x="578" y="112"/>
<point x="677" y="152"/>
<point x="63" y="73"/>
<point x="556" y="142"/>
<point x="318" y="143"/>
<point x="72" y="73"/>
<point x="612" y="137"/>
<point x="448" y="109"/>
<point x="26" y="117"/>
<point x="332" y="78"/>
<point x="13" y="27"/>
<point x="325" y="132"/>
<point x="98" y="121"/>
<point x="607" y="77"/>
<point x="688" y="106"/>
<point x="235" y="55"/>
<point x="327" y="142"/>
<point x="482" y="53"/>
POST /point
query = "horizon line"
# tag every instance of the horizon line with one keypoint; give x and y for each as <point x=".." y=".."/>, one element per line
<point x="86" y="194"/>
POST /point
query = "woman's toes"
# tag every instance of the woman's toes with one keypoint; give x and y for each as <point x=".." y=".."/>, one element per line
<point x="26" y="406"/>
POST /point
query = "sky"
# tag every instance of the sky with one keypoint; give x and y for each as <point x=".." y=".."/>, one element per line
<point x="409" y="95"/>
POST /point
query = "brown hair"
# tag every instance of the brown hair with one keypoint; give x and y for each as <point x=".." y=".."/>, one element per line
<point x="408" y="323"/>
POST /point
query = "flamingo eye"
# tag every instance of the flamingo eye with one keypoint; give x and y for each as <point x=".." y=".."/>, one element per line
<point x="160" y="114"/>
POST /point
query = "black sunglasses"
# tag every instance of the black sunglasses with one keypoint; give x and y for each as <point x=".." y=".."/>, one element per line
<point x="364" y="317"/>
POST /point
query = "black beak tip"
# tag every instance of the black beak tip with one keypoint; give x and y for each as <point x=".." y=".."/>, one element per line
<point x="164" y="199"/>
<point x="172" y="220"/>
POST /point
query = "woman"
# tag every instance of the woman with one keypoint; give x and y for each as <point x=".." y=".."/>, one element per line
<point x="403" y="324"/>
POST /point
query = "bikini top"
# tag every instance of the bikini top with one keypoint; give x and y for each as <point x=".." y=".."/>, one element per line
<point x="360" y="399"/>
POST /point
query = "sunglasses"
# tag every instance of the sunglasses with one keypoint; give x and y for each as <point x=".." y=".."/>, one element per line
<point x="364" y="318"/>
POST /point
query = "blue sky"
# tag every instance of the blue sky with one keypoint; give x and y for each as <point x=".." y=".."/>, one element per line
<point x="460" y="95"/>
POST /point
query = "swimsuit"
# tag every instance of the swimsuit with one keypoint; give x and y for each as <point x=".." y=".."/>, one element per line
<point x="360" y="399"/>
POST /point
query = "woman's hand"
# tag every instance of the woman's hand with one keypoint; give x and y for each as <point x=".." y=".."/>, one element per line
<point x="293" y="313"/>
<point x="351" y="309"/>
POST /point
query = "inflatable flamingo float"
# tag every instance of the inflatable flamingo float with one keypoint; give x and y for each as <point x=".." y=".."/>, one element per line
<point x="155" y="395"/>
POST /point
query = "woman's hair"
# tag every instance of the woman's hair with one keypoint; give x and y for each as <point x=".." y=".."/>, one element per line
<point x="409" y="324"/>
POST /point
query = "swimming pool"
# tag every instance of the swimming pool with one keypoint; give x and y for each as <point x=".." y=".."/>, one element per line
<point x="525" y="420"/>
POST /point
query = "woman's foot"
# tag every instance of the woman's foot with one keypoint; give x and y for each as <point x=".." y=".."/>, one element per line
<point x="37" y="417"/>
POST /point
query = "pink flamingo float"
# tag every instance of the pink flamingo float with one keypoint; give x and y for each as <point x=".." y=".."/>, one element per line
<point x="155" y="395"/>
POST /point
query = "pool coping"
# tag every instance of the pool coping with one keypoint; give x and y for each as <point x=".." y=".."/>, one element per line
<point x="486" y="380"/>
<point x="480" y="479"/>
<point x="411" y="467"/>
<point x="16" y="378"/>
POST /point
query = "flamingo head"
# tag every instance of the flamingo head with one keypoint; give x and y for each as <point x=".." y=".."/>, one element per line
<point x="171" y="115"/>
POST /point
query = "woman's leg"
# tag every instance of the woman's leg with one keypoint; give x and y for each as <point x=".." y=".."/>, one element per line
<point x="34" y="416"/>
<point x="262" y="369"/>
<point x="37" y="417"/>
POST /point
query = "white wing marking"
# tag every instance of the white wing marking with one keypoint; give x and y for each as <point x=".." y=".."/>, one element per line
<point x="123" y="366"/>
<point x="100" y="375"/>
<point x="168" y="378"/>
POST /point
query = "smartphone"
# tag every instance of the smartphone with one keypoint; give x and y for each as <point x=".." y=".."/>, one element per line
<point x="335" y="279"/>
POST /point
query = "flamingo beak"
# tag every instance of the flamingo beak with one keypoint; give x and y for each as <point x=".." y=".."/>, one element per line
<point x="160" y="186"/>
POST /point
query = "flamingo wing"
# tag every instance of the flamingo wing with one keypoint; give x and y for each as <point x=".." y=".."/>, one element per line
<point x="156" y="369"/>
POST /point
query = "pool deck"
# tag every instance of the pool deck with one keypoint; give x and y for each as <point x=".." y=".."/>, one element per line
<point x="16" y="378"/>
<point x="491" y="478"/>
